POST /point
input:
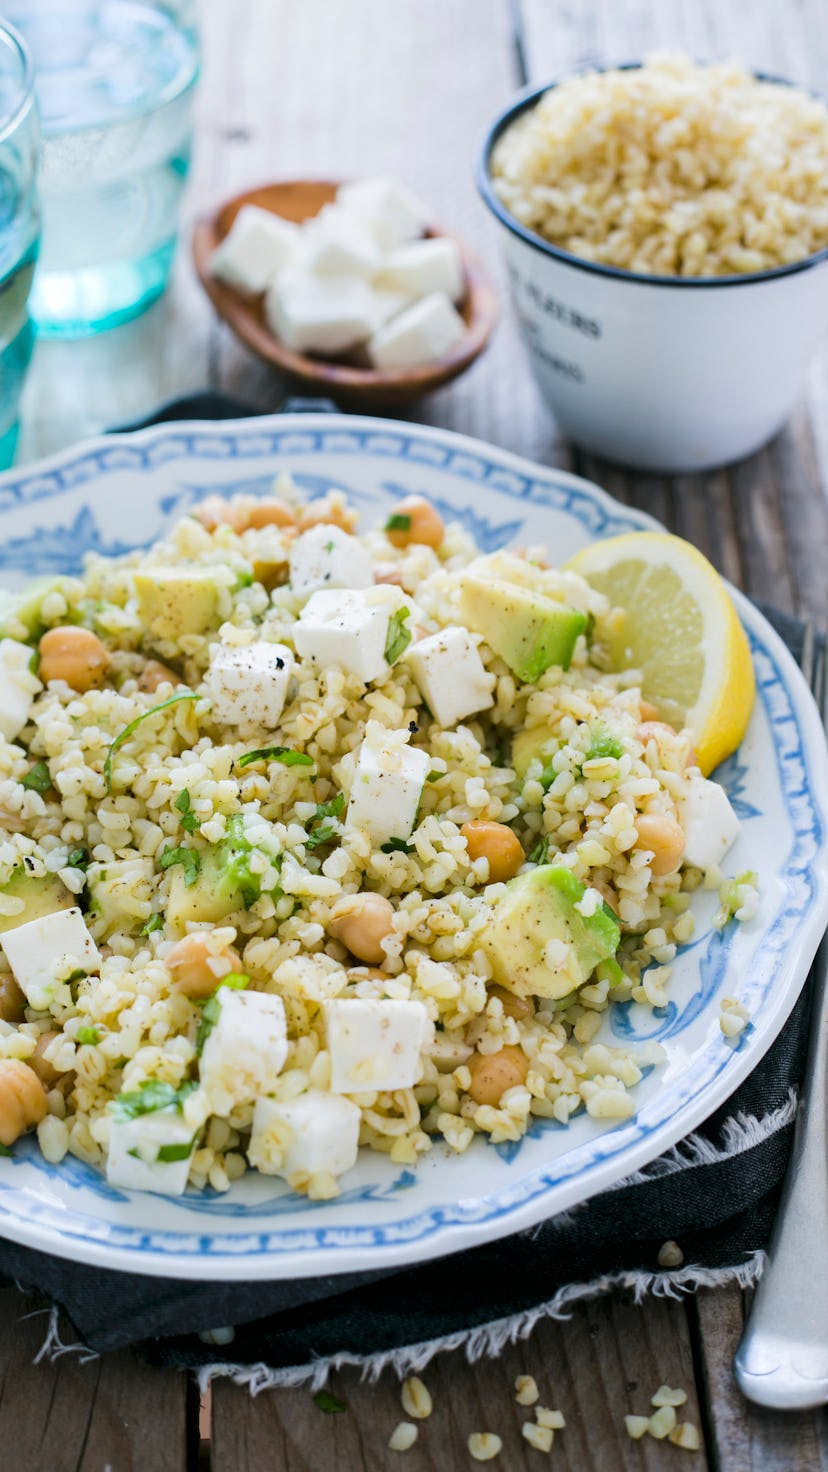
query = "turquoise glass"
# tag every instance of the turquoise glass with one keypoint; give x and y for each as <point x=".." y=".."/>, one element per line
<point x="115" y="83"/>
<point x="19" y="229"/>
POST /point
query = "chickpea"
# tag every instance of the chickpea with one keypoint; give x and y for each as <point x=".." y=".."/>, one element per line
<point x="425" y="525"/>
<point x="75" y="655"/>
<point x="493" y="1073"/>
<point x="513" y="1005"/>
<point x="361" y="922"/>
<point x="46" y="1072"/>
<point x="215" y="511"/>
<point x="271" y="512"/>
<point x="664" y="837"/>
<point x="498" y="844"/>
<point x="654" y="730"/>
<point x="154" y="674"/>
<point x="22" y="1100"/>
<point x="649" y="712"/>
<point x="12" y="1000"/>
<point x="195" y="969"/>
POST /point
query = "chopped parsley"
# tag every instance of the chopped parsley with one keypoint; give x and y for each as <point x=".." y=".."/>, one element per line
<point x="398" y="522"/>
<point x="328" y="1403"/>
<point x="38" y="778"/>
<point x="329" y="546"/>
<point x="133" y="726"/>
<point x="287" y="755"/>
<point x="155" y="922"/>
<point x="233" y="857"/>
<point x="244" y="580"/>
<point x="187" y="857"/>
<point x="34" y="661"/>
<point x="88" y="1035"/>
<point x="210" y="1010"/>
<point x="398" y="637"/>
<point x="435" y="776"/>
<point x="78" y="858"/>
<point x="189" y="820"/>
<point x="320" y="831"/>
<point x="540" y="852"/>
<point x="4" y="1150"/>
<point x="150" y="1096"/>
<point x="397" y="846"/>
<point x="547" y="776"/>
<point x="168" y="1153"/>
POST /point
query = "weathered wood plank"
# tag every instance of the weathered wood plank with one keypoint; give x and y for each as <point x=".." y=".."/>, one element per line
<point x="116" y="1412"/>
<point x="604" y="1362"/>
<point x="744" y="1437"/>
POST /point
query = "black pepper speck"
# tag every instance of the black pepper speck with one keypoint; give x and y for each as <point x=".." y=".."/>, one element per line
<point x="413" y="727"/>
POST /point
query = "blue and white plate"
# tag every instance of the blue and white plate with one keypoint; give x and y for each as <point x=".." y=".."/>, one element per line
<point x="113" y="495"/>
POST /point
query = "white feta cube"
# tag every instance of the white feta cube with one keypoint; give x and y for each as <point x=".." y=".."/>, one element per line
<point x="257" y="245"/>
<point x="393" y="214"/>
<point x="327" y="557"/>
<point x="305" y="1136"/>
<point x="350" y="629"/>
<point x="337" y="243"/>
<point x="450" y="676"/>
<point x="327" y="315"/>
<point x="424" y="333"/>
<point x="389" y="304"/>
<point x="424" y="267"/>
<point x="18" y="687"/>
<point x="246" y="1049"/>
<point x="709" y="822"/>
<point x="387" y="785"/>
<point x="134" y="1148"/>
<point x="375" y="1044"/>
<point x="44" y="953"/>
<point x="248" y="684"/>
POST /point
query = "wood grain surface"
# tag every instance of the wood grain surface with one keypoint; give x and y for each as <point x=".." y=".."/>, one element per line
<point x="330" y="89"/>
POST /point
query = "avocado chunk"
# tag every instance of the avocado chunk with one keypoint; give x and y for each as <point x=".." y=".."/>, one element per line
<point x="173" y="601"/>
<point x="118" y="888"/>
<point x="528" y="630"/>
<point x="536" y="742"/>
<point x="40" y="895"/>
<point x="24" y="607"/>
<point x="225" y="883"/>
<point x="539" y="907"/>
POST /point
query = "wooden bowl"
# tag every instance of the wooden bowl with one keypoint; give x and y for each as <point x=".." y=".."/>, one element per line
<point x="348" y="383"/>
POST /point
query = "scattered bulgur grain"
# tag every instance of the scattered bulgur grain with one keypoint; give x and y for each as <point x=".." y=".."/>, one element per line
<point x="662" y="1422"/>
<point x="553" y="1419"/>
<point x="526" y="1390"/>
<point x="415" y="1398"/>
<point x="403" y="1437"/>
<point x="687" y="1436"/>
<point x="670" y="1255"/>
<point x="667" y="1396"/>
<point x="540" y="1437"/>
<point x="637" y="1426"/>
<point x="484" y="1446"/>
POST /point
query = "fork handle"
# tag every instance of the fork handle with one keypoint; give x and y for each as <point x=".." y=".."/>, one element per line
<point x="782" y="1361"/>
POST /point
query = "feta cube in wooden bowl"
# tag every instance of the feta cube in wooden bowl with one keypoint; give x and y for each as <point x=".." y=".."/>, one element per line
<point x="394" y="307"/>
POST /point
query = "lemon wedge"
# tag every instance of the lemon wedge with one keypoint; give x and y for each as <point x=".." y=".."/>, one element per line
<point x="678" y="626"/>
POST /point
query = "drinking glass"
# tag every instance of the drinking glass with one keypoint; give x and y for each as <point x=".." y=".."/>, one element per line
<point x="115" y="82"/>
<point x="19" y="228"/>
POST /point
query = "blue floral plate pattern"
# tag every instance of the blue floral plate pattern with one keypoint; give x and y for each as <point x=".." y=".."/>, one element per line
<point x="114" y="495"/>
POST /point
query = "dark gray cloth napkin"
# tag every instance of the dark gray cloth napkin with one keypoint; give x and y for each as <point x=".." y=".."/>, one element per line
<point x="720" y="1214"/>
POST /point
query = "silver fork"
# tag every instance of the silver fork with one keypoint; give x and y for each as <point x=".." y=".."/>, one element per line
<point x="782" y="1361"/>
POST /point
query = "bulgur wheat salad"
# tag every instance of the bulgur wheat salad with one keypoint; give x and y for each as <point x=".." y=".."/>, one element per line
<point x="313" y="840"/>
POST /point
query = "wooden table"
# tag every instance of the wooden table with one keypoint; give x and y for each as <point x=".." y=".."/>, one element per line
<point x="332" y="88"/>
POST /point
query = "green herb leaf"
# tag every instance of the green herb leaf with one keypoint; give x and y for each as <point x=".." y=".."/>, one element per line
<point x="155" y="922"/>
<point x="604" y="744"/>
<point x="540" y="852"/>
<point x="329" y="546"/>
<point x="152" y="1095"/>
<point x="4" y="1150"/>
<point x="397" y="846"/>
<point x="287" y="755"/>
<point x="133" y="726"/>
<point x="329" y="1403"/>
<point x="398" y="522"/>
<point x="188" y="857"/>
<point x="321" y="832"/>
<point x="88" y="1035"/>
<point x="189" y="820"/>
<point x="398" y="637"/>
<point x="435" y="776"/>
<point x="168" y="1153"/>
<point x="547" y="777"/>
<point x="38" y="778"/>
<point x="78" y="858"/>
<point x="34" y="661"/>
<point x="210" y="1010"/>
<point x="244" y="580"/>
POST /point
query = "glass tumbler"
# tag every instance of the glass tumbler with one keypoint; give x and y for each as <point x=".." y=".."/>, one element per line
<point x="115" y="83"/>
<point x="19" y="229"/>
